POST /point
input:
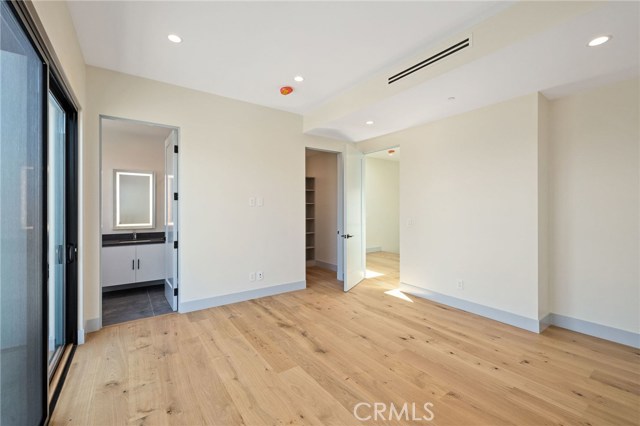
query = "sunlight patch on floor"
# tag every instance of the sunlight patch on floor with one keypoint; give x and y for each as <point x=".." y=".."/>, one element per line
<point x="373" y="274"/>
<point x="400" y="295"/>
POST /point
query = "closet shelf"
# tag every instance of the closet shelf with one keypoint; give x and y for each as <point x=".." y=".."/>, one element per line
<point x="310" y="206"/>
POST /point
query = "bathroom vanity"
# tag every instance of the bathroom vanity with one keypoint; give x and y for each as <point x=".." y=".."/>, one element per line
<point x="126" y="260"/>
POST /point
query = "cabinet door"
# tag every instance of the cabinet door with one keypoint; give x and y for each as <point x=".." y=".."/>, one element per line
<point x="150" y="262"/>
<point x="118" y="265"/>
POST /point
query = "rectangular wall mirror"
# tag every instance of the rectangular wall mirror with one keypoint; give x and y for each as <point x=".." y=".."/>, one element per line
<point x="134" y="199"/>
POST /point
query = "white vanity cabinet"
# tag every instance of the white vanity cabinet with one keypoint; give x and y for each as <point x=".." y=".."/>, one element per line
<point x="132" y="264"/>
<point x="149" y="262"/>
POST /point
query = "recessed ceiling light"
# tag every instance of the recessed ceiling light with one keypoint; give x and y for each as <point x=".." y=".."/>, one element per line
<point x="599" y="40"/>
<point x="298" y="78"/>
<point x="369" y="123"/>
<point x="452" y="98"/>
<point x="174" y="38"/>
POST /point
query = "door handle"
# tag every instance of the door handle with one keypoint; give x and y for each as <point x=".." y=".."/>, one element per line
<point x="72" y="250"/>
<point x="138" y="263"/>
<point x="133" y="264"/>
<point x="346" y="236"/>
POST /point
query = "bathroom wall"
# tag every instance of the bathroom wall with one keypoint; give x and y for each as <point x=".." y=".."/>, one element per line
<point x="138" y="147"/>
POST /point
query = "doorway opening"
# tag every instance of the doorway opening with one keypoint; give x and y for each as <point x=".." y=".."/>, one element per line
<point x="382" y="207"/>
<point x="323" y="213"/>
<point x="139" y="206"/>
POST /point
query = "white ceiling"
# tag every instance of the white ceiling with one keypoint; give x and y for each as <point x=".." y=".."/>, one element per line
<point x="384" y="155"/>
<point x="555" y="61"/>
<point x="247" y="50"/>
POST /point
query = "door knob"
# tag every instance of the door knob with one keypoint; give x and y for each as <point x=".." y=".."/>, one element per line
<point x="345" y="236"/>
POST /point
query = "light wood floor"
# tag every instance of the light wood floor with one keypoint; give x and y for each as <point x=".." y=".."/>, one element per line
<point x="310" y="356"/>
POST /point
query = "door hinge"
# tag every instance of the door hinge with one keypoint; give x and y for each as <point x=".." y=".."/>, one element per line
<point x="175" y="149"/>
<point x="175" y="291"/>
<point x="175" y="196"/>
<point x="175" y="244"/>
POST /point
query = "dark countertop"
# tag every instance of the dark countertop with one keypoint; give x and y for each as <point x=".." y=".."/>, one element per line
<point x="113" y="240"/>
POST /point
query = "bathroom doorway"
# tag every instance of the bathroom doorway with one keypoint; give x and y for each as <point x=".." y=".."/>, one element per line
<point x="139" y="220"/>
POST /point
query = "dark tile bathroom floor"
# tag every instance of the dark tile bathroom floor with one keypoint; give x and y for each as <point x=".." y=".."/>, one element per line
<point x="126" y="305"/>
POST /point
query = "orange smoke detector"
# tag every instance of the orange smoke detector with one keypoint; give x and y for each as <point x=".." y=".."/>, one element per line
<point x="286" y="90"/>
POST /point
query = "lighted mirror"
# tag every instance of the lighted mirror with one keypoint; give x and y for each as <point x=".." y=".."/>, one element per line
<point x="133" y="199"/>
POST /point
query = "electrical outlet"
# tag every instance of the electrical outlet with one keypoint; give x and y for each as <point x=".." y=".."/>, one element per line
<point x="259" y="275"/>
<point x="252" y="202"/>
<point x="410" y="222"/>
<point x="460" y="285"/>
<point x="252" y="276"/>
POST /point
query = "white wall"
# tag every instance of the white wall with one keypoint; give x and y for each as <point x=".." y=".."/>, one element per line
<point x="126" y="151"/>
<point x="544" y="297"/>
<point x="470" y="184"/>
<point x="594" y="206"/>
<point x="323" y="166"/>
<point x="534" y="204"/>
<point x="61" y="34"/>
<point x="229" y="151"/>
<point x="382" y="204"/>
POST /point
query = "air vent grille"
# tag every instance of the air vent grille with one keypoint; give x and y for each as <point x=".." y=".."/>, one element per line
<point x="431" y="60"/>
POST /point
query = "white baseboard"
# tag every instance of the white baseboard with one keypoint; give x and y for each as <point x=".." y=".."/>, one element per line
<point x="585" y="327"/>
<point x="227" y="299"/>
<point x="373" y="249"/>
<point x="515" y="320"/>
<point x="545" y="322"/>
<point x="597" y="330"/>
<point x="92" y="325"/>
<point x="325" y="265"/>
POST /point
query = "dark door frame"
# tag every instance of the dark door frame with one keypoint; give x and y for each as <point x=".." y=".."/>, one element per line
<point x="56" y="83"/>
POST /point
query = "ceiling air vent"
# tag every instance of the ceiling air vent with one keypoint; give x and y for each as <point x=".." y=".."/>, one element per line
<point x="432" y="60"/>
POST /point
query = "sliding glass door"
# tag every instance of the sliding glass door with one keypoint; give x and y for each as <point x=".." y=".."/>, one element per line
<point x="38" y="223"/>
<point x="57" y="258"/>
<point x="23" y="386"/>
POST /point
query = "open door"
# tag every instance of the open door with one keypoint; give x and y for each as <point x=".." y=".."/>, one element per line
<point x="353" y="230"/>
<point x="171" y="219"/>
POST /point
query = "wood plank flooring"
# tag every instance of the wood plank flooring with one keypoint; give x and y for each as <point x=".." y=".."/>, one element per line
<point x="308" y="357"/>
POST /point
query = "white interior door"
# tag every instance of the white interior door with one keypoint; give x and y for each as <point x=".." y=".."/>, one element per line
<point x="171" y="220"/>
<point x="353" y="231"/>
